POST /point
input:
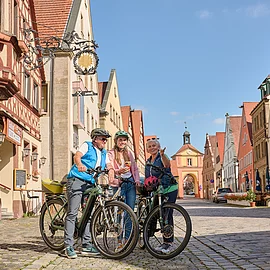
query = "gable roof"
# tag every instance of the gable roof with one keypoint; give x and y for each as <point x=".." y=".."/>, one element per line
<point x="220" y="137"/>
<point x="125" y="111"/>
<point x="136" y="119"/>
<point x="247" y="108"/>
<point x="106" y="89"/>
<point x="101" y="91"/>
<point x="235" y="124"/>
<point x="185" y="147"/>
<point x="212" y="139"/>
<point x="55" y="18"/>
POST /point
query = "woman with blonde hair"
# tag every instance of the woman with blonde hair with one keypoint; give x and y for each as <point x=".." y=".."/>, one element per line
<point x="125" y="166"/>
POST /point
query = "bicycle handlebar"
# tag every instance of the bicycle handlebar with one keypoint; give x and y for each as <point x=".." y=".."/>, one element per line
<point x="96" y="171"/>
<point x="162" y="170"/>
<point x="124" y="180"/>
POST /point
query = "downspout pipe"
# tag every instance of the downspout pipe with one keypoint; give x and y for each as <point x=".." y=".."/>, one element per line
<point x="51" y="146"/>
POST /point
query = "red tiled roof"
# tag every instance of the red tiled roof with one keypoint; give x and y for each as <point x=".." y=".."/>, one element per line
<point x="101" y="91"/>
<point x="212" y="139"/>
<point x="247" y="108"/>
<point x="220" y="136"/>
<point x="52" y="17"/>
<point x="136" y="119"/>
<point x="125" y="111"/>
<point x="235" y="124"/>
<point x="185" y="147"/>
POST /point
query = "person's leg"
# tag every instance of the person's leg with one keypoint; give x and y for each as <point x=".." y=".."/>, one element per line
<point x="87" y="246"/>
<point x="171" y="198"/>
<point x="74" y="195"/>
<point x="130" y="197"/>
<point x="86" y="237"/>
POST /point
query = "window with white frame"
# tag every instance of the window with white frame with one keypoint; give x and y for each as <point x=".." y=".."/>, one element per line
<point x="189" y="162"/>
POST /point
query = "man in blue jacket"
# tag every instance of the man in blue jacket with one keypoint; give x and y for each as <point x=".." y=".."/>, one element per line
<point x="90" y="155"/>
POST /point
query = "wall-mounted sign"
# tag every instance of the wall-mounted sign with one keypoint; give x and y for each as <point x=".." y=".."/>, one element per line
<point x="20" y="179"/>
<point x="13" y="132"/>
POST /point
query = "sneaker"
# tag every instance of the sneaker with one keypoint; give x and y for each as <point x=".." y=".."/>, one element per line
<point x="89" y="250"/>
<point x="121" y="245"/>
<point x="70" y="253"/>
<point x="162" y="246"/>
<point x="168" y="248"/>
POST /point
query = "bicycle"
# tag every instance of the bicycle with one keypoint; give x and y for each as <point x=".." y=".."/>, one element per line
<point x="154" y="223"/>
<point x="144" y="205"/>
<point x="109" y="219"/>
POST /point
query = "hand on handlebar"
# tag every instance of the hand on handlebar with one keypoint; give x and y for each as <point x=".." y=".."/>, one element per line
<point x="81" y="168"/>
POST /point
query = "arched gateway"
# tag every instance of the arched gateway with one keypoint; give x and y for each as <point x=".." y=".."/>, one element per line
<point x="187" y="166"/>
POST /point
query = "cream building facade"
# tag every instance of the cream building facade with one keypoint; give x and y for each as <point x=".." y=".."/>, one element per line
<point x="69" y="118"/>
<point x="110" y="108"/>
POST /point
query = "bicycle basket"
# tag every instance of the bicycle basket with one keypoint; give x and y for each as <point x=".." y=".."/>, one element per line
<point x="50" y="186"/>
<point x="151" y="183"/>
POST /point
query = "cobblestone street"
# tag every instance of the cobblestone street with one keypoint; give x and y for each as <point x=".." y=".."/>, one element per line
<point x="223" y="237"/>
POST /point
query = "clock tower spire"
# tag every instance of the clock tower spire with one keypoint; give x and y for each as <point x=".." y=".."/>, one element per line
<point x="186" y="135"/>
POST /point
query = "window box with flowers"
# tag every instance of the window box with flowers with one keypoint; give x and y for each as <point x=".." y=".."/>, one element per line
<point x="237" y="199"/>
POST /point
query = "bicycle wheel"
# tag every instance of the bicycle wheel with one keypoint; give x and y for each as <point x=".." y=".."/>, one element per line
<point x="114" y="229"/>
<point x="176" y="230"/>
<point x="52" y="223"/>
<point x="142" y="213"/>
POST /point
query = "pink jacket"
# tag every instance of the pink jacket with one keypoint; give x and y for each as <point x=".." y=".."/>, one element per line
<point x="133" y="168"/>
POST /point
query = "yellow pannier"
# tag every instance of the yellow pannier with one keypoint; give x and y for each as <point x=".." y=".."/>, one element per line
<point x="50" y="186"/>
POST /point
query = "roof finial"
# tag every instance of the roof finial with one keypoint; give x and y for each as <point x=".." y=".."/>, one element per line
<point x="185" y="125"/>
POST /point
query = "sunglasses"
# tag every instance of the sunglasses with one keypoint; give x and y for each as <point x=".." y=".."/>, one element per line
<point x="152" y="139"/>
<point x="103" y="139"/>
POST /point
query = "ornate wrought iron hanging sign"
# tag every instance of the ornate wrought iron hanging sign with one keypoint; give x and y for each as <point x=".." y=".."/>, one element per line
<point x="40" y="51"/>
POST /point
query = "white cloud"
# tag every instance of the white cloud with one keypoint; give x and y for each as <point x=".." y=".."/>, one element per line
<point x="258" y="10"/>
<point x="219" y="121"/>
<point x="174" y="113"/>
<point x="198" y="115"/>
<point x="204" y="14"/>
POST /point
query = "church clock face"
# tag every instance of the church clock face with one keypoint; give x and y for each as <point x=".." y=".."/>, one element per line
<point x="189" y="151"/>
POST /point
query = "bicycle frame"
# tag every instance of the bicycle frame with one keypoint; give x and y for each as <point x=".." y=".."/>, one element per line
<point x="95" y="193"/>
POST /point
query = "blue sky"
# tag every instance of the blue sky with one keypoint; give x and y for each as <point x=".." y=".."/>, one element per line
<point x="183" y="61"/>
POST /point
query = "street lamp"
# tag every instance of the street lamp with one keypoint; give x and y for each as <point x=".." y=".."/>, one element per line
<point x="34" y="157"/>
<point x="42" y="161"/>
<point x="26" y="152"/>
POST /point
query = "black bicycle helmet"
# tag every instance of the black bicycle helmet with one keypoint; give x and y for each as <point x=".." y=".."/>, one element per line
<point x="120" y="133"/>
<point x="99" y="132"/>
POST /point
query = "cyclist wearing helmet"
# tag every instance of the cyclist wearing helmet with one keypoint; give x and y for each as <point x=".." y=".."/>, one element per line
<point x="160" y="159"/>
<point x="125" y="166"/>
<point x="90" y="155"/>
